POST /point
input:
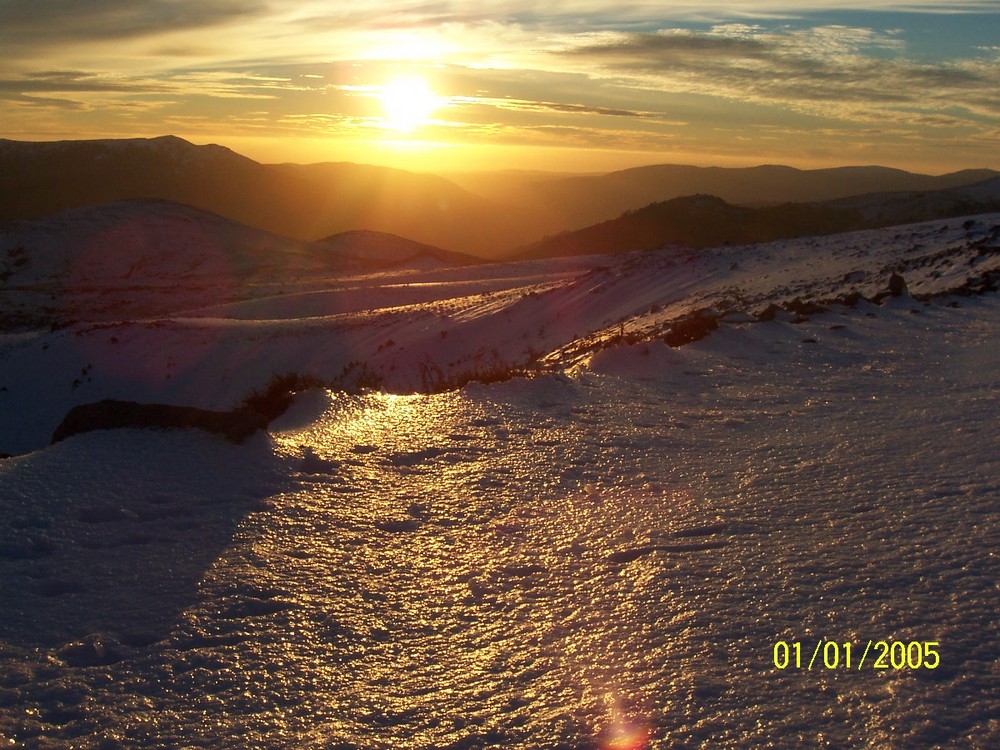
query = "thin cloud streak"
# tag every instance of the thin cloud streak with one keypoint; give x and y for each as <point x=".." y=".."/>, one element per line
<point x="788" y="70"/>
<point x="34" y="23"/>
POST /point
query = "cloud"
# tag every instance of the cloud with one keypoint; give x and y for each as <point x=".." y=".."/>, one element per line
<point x="79" y="81"/>
<point x="831" y="71"/>
<point x="57" y="21"/>
<point x="526" y="105"/>
<point x="636" y="74"/>
<point x="43" y="102"/>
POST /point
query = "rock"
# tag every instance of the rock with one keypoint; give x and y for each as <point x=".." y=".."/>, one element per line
<point x="851" y="299"/>
<point x="236" y="425"/>
<point x="769" y="313"/>
<point x="694" y="327"/>
<point x="92" y="651"/>
<point x="800" y="307"/>
<point x="897" y="285"/>
<point x="895" y="288"/>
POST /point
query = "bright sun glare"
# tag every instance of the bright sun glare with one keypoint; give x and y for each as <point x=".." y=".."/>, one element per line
<point x="408" y="102"/>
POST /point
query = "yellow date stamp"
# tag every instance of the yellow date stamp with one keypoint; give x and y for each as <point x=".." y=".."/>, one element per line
<point x="875" y="654"/>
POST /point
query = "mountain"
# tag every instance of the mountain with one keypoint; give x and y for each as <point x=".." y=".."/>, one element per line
<point x="145" y="241"/>
<point x="886" y="209"/>
<point x="423" y="207"/>
<point x="40" y="178"/>
<point x="150" y="257"/>
<point x="479" y="214"/>
<point x="579" y="201"/>
<point x="383" y="250"/>
<point x="694" y="221"/>
<point x="708" y="221"/>
<point x="303" y="202"/>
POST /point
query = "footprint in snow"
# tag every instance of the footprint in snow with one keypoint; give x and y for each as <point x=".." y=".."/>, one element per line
<point x="703" y="530"/>
<point x="398" y="525"/>
<point x="312" y="463"/>
<point x="412" y="458"/>
<point x="628" y="555"/>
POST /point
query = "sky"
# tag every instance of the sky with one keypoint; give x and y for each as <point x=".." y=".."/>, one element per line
<point x="586" y="86"/>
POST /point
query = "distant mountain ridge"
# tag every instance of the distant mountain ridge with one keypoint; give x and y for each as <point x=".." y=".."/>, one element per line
<point x="301" y="202"/>
<point x="700" y="221"/>
<point x="116" y="258"/>
<point x="481" y="215"/>
<point x="381" y="249"/>
<point x="559" y="204"/>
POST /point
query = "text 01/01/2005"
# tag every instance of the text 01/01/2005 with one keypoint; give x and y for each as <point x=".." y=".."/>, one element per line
<point x="845" y="655"/>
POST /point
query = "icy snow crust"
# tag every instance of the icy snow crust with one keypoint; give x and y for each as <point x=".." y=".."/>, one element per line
<point x="603" y="556"/>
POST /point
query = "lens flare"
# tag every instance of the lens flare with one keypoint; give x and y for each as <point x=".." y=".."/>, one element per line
<point x="625" y="735"/>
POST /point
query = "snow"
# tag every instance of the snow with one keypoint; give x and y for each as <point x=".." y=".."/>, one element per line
<point x="606" y="552"/>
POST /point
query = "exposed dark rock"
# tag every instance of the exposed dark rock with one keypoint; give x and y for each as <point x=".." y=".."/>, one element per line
<point x="799" y="307"/>
<point x="769" y="313"/>
<point x="236" y="425"/>
<point x="93" y="651"/>
<point x="691" y="328"/>
<point x="895" y="288"/>
<point x="851" y="299"/>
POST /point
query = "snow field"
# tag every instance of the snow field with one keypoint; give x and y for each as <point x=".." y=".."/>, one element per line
<point x="542" y="562"/>
<point x="605" y="552"/>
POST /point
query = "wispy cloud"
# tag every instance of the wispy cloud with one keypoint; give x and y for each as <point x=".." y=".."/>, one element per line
<point x="32" y="23"/>
<point x="81" y="81"/>
<point x="833" y="71"/>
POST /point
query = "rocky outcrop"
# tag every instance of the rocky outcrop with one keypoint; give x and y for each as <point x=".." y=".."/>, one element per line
<point x="691" y="328"/>
<point x="895" y="288"/>
<point x="236" y="425"/>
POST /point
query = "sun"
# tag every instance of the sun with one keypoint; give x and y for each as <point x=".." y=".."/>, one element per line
<point x="408" y="102"/>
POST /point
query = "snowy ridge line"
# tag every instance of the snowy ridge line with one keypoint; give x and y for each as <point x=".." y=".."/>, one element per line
<point x="415" y="334"/>
<point x="700" y="315"/>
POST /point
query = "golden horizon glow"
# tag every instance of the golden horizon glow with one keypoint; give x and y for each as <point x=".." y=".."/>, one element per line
<point x="554" y="86"/>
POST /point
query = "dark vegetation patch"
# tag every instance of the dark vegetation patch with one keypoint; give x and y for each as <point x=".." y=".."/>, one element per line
<point x="110" y="414"/>
<point x="254" y="413"/>
<point x="275" y="398"/>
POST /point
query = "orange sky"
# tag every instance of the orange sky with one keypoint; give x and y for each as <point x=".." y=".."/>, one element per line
<point x="583" y="86"/>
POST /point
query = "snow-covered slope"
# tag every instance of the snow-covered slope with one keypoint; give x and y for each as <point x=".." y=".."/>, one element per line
<point x="380" y="248"/>
<point x="145" y="242"/>
<point x="141" y="258"/>
<point x="607" y="554"/>
<point x="420" y="330"/>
